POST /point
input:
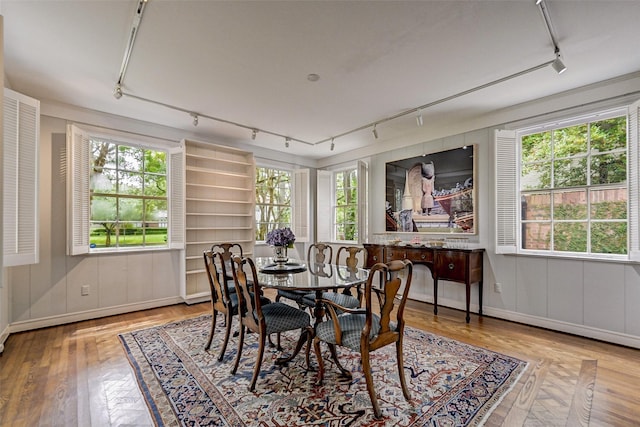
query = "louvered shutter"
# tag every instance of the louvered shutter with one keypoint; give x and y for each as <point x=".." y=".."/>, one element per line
<point x="78" y="163"/>
<point x="21" y="122"/>
<point x="324" y="206"/>
<point x="177" y="196"/>
<point x="363" y="197"/>
<point x="634" y="181"/>
<point x="301" y="205"/>
<point x="506" y="191"/>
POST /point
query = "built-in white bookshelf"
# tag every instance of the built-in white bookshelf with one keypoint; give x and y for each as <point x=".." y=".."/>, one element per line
<point x="220" y="206"/>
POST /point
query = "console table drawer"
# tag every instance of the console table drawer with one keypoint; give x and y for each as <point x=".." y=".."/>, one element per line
<point x="419" y="255"/>
<point x="451" y="265"/>
<point x="395" y="254"/>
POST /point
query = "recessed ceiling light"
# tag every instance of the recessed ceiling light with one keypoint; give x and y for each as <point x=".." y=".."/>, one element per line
<point x="313" y="77"/>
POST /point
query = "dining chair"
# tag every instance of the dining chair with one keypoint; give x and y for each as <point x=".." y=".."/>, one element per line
<point x="317" y="254"/>
<point x="372" y="327"/>
<point x="222" y="301"/>
<point x="264" y="320"/>
<point x="227" y="251"/>
<point x="348" y="256"/>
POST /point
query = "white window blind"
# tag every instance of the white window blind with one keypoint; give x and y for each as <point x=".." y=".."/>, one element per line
<point x="634" y="180"/>
<point x="177" y="197"/>
<point x="324" y="206"/>
<point x="78" y="204"/>
<point x="20" y="188"/>
<point x="506" y="191"/>
<point x="301" y="205"/>
<point x="363" y="206"/>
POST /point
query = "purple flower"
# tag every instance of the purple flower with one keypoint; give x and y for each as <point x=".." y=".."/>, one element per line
<point x="281" y="237"/>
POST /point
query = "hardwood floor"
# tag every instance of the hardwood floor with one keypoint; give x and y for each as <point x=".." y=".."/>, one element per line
<point x="77" y="374"/>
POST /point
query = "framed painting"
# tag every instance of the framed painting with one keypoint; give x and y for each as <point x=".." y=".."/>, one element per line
<point x="432" y="193"/>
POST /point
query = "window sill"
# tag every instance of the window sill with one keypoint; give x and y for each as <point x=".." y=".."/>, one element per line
<point x="621" y="259"/>
<point x="112" y="251"/>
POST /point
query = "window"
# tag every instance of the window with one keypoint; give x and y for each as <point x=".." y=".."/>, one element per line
<point x="344" y="218"/>
<point x="574" y="187"/>
<point x="128" y="195"/>
<point x="273" y="200"/>
<point x="346" y="205"/>
<point x="123" y="193"/>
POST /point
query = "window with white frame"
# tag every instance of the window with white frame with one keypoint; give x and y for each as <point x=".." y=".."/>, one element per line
<point x="570" y="187"/>
<point x="123" y="193"/>
<point x="273" y="200"/>
<point x="282" y="200"/>
<point x="345" y="210"/>
<point x="342" y="204"/>
<point x="128" y="187"/>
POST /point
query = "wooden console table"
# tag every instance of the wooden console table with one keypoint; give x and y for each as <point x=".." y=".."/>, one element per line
<point x="455" y="265"/>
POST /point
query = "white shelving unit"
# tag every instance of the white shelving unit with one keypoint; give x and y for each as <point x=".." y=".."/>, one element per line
<point x="220" y="206"/>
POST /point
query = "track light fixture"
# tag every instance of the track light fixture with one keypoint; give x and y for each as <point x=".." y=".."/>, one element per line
<point x="375" y="131"/>
<point x="195" y="118"/>
<point x="254" y="132"/>
<point x="419" y="120"/>
<point x="557" y="64"/>
<point x="117" y="92"/>
<point x="286" y="142"/>
<point x="333" y="145"/>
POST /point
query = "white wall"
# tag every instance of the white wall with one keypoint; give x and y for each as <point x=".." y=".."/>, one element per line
<point x="596" y="299"/>
<point x="50" y="292"/>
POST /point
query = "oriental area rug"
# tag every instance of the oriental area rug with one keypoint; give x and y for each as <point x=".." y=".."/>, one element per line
<point x="451" y="383"/>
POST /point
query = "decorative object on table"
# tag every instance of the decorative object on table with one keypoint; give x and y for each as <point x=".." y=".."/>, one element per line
<point x="451" y="383"/>
<point x="281" y="239"/>
<point x="289" y="267"/>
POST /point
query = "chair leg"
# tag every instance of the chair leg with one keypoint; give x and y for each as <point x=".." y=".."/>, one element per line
<point x="403" y="380"/>
<point x="334" y="356"/>
<point x="240" y="344"/>
<point x="316" y="349"/>
<point x="213" y="327"/>
<point x="228" y="317"/>
<point x="366" y="369"/>
<point x="256" y="369"/>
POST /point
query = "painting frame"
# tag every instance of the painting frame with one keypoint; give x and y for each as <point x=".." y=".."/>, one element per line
<point x="433" y="193"/>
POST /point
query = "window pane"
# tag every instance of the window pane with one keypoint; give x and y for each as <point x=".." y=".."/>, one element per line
<point x="103" y="209"/>
<point x="570" y="205"/>
<point x="102" y="234"/>
<point x="536" y="176"/>
<point x="609" y="237"/>
<point x="536" y="206"/>
<point x="129" y="183"/>
<point x="610" y="203"/>
<point x="570" y="141"/>
<point x="130" y="158"/>
<point x="155" y="185"/>
<point x="609" y="134"/>
<point x="608" y="168"/>
<point x="155" y="162"/>
<point x="570" y="236"/>
<point x="536" y="235"/>
<point x="103" y="154"/>
<point x="536" y="147"/>
<point x="570" y="172"/>
<point x="131" y="210"/>
<point x="104" y="181"/>
<point x="340" y="214"/>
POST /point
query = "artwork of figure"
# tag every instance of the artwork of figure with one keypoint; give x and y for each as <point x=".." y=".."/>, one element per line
<point x="428" y="180"/>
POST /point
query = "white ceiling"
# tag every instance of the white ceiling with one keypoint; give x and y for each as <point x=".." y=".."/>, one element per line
<point x="247" y="61"/>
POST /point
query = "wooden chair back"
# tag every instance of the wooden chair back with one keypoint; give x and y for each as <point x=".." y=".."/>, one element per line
<point x="320" y="253"/>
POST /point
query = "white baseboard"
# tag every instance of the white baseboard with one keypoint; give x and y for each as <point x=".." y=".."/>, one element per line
<point x="569" y="328"/>
<point x="62" y="319"/>
<point x="3" y="337"/>
<point x="541" y="322"/>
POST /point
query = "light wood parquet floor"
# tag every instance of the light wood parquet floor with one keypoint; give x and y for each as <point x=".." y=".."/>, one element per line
<point x="78" y="375"/>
